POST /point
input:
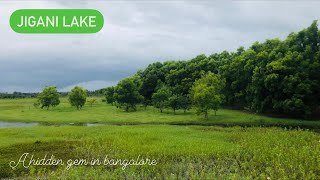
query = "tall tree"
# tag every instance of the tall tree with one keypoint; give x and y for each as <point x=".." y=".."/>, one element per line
<point x="109" y="94"/>
<point x="206" y="93"/>
<point x="77" y="97"/>
<point x="174" y="102"/>
<point x="49" y="97"/>
<point x="185" y="103"/>
<point x="160" y="97"/>
<point x="126" y="93"/>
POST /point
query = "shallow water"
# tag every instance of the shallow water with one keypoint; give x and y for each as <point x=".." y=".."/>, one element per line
<point x="16" y="124"/>
<point x="4" y="124"/>
<point x="94" y="124"/>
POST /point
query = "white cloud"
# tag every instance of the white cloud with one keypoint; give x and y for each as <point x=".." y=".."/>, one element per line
<point x="90" y="85"/>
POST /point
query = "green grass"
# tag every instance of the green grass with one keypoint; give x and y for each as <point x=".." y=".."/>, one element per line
<point x="185" y="145"/>
<point x="196" y="152"/>
<point x="22" y="110"/>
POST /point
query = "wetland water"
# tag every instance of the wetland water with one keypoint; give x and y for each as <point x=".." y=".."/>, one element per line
<point x="16" y="124"/>
<point x="4" y="124"/>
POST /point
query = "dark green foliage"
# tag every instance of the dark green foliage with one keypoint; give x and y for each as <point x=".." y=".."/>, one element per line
<point x="185" y="103"/>
<point x="16" y="95"/>
<point x="109" y="94"/>
<point x="49" y="97"/>
<point x="126" y="93"/>
<point x="274" y="76"/>
<point x="77" y="97"/>
<point x="161" y="97"/>
<point x="174" y="102"/>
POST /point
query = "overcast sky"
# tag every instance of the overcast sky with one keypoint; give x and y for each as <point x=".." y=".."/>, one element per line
<point x="135" y="34"/>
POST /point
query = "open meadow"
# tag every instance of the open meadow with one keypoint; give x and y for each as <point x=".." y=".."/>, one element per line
<point x="22" y="110"/>
<point x="231" y="145"/>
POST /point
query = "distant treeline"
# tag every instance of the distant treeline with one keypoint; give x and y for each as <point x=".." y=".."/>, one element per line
<point x="276" y="76"/>
<point x="16" y="95"/>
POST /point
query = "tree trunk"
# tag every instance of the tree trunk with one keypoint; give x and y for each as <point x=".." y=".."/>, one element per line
<point x="215" y="112"/>
<point x="174" y="111"/>
<point x="206" y="115"/>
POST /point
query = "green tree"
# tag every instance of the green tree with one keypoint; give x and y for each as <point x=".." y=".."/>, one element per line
<point x="274" y="76"/>
<point x="77" y="97"/>
<point x="174" y="102"/>
<point x="49" y="97"/>
<point x="146" y="102"/>
<point x="92" y="101"/>
<point x="109" y="94"/>
<point x="206" y="93"/>
<point x="185" y="103"/>
<point x="126" y="93"/>
<point x="160" y="97"/>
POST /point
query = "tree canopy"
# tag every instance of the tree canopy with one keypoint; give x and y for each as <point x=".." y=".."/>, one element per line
<point x="48" y="97"/>
<point x="276" y="76"/>
<point x="77" y="97"/>
<point x="206" y="93"/>
<point x="161" y="96"/>
<point x="126" y="93"/>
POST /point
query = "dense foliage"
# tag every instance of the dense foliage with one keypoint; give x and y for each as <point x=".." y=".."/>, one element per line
<point x="160" y="97"/>
<point x="274" y="77"/>
<point x="206" y="93"/>
<point x="15" y="95"/>
<point x="126" y="93"/>
<point x="109" y="92"/>
<point x="77" y="97"/>
<point x="48" y="97"/>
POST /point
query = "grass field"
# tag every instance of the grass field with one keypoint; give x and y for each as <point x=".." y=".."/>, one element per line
<point x="182" y="146"/>
<point x="22" y="110"/>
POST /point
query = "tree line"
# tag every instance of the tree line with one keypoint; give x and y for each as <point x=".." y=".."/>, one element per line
<point x="276" y="76"/>
<point x="50" y="97"/>
<point x="205" y="94"/>
<point x="21" y="95"/>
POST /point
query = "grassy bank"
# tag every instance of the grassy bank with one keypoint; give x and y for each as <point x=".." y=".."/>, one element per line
<point x="182" y="152"/>
<point x="184" y="145"/>
<point x="22" y="110"/>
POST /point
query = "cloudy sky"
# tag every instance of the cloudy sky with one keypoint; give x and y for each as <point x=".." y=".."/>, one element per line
<point x="137" y="33"/>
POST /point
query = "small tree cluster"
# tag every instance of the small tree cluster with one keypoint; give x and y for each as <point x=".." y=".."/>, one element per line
<point x="165" y="98"/>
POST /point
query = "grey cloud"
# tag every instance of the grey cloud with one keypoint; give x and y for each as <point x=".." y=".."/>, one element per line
<point x="137" y="33"/>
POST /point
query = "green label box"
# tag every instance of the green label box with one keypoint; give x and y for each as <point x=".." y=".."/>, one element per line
<point x="56" y="21"/>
